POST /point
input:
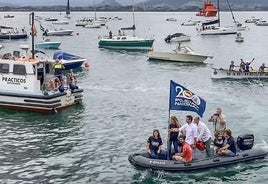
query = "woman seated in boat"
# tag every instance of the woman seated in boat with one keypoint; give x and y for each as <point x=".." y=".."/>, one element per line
<point x="153" y="145"/>
<point x="262" y="67"/>
<point x="219" y="141"/>
<point x="229" y="149"/>
<point x="55" y="84"/>
<point x="72" y="81"/>
<point x="187" y="152"/>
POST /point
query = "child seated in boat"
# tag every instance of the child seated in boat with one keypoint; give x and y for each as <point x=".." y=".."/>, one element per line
<point x="219" y="141"/>
<point x="187" y="152"/>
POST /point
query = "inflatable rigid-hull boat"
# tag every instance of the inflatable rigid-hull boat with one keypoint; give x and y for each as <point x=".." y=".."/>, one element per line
<point x="143" y="160"/>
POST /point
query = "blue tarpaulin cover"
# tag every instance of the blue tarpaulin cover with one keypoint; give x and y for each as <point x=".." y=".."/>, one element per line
<point x="64" y="55"/>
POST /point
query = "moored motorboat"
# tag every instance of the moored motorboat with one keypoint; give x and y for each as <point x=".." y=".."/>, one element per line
<point x="60" y="22"/>
<point x="261" y="23"/>
<point x="223" y="73"/>
<point x="58" y="32"/>
<point x="178" y="37"/>
<point x="252" y="20"/>
<point x="245" y="153"/>
<point x="12" y="34"/>
<point x="180" y="54"/>
<point x="47" y="44"/>
<point x="126" y="42"/>
<point x="69" y="61"/>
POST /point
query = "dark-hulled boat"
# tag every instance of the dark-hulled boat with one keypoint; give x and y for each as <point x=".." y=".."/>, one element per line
<point x="245" y="153"/>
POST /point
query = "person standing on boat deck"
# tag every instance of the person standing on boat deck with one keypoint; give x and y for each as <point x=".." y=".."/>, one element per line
<point x="242" y="66"/>
<point x="190" y="131"/>
<point x="232" y="66"/>
<point x="153" y="145"/>
<point x="110" y="34"/>
<point x="247" y="65"/>
<point x="219" y="120"/>
<point x="262" y="67"/>
<point x="58" y="67"/>
<point x="173" y="132"/>
<point x="187" y="152"/>
<point x="204" y="134"/>
<point x="229" y="150"/>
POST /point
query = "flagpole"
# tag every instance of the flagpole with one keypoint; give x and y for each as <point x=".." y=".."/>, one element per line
<point x="168" y="141"/>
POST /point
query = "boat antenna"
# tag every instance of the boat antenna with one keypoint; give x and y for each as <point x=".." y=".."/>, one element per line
<point x="133" y="17"/>
<point x="33" y="31"/>
<point x="231" y="11"/>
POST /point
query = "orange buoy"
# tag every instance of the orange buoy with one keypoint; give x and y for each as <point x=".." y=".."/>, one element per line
<point x="87" y="64"/>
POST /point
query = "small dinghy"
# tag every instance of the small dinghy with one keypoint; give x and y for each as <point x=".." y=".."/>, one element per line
<point x="245" y="153"/>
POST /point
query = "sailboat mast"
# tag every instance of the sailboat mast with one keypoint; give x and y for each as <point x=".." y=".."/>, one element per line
<point x="133" y="17"/>
<point x="68" y="8"/>
<point x="218" y="4"/>
<point x="231" y="11"/>
<point x="95" y="10"/>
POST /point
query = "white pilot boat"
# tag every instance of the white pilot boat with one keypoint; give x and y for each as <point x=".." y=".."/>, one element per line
<point x="26" y="84"/>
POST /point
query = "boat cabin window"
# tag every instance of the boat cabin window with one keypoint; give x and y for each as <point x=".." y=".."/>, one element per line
<point x="124" y="38"/>
<point x="4" y="68"/>
<point x="19" y="70"/>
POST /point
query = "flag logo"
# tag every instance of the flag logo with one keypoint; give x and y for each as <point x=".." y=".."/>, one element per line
<point x="185" y="100"/>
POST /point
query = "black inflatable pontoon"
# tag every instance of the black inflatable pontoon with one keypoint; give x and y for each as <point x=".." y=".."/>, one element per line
<point x="245" y="153"/>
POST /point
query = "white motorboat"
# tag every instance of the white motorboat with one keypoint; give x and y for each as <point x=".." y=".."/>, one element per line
<point x="51" y="19"/>
<point x="261" y="23"/>
<point x="58" y="32"/>
<point x="180" y="54"/>
<point x="224" y="73"/>
<point x="171" y="19"/>
<point x="28" y="83"/>
<point x="47" y="44"/>
<point x="61" y="22"/>
<point x="190" y="22"/>
<point x="93" y="24"/>
<point x="178" y="37"/>
<point x="252" y="20"/>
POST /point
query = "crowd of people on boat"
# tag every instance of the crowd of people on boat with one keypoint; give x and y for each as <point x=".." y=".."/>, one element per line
<point x="183" y="140"/>
<point x="57" y="83"/>
<point x="245" y="66"/>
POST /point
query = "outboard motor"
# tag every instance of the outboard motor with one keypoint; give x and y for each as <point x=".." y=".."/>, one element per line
<point x="245" y="141"/>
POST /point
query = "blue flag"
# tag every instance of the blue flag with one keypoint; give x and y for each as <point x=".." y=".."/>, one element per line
<point x="185" y="100"/>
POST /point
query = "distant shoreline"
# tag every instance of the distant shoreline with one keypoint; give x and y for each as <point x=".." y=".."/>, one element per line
<point x="116" y="9"/>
